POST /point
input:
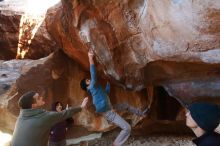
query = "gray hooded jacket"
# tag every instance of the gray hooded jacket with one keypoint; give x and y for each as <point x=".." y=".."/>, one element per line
<point x="33" y="126"/>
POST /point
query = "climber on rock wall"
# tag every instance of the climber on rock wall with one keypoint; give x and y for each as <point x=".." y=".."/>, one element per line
<point x="102" y="103"/>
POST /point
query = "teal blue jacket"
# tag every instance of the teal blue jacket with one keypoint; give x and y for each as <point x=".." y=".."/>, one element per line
<point x="100" y="97"/>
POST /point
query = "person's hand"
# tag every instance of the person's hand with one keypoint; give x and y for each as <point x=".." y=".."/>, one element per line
<point x="90" y="53"/>
<point x="67" y="106"/>
<point x="84" y="103"/>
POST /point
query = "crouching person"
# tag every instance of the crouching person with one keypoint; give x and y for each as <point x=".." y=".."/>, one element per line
<point x="33" y="125"/>
<point x="203" y="118"/>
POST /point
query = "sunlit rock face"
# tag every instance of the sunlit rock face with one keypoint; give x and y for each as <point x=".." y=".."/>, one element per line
<point x="10" y="15"/>
<point x="129" y="34"/>
<point x="9" y="36"/>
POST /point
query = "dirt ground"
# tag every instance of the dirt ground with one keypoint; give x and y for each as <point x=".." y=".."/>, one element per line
<point x="158" y="140"/>
<point x="148" y="141"/>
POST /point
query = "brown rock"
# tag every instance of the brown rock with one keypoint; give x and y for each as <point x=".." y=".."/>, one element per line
<point x="187" y="82"/>
<point x="129" y="34"/>
<point x="10" y="15"/>
<point x="165" y="52"/>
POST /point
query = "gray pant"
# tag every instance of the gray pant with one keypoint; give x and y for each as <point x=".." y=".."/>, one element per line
<point x="113" y="117"/>
<point x="59" y="143"/>
<point x="127" y="107"/>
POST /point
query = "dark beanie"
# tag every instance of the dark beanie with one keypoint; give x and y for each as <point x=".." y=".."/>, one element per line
<point x="206" y="115"/>
<point x="83" y="84"/>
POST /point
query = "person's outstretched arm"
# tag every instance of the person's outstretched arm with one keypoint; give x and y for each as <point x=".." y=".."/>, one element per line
<point x="92" y="68"/>
<point x="91" y="56"/>
<point x="55" y="117"/>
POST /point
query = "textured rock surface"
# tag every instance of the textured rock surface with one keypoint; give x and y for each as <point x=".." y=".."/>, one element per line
<point x="186" y="82"/>
<point x="154" y="47"/>
<point x="129" y="34"/>
<point x="10" y="15"/>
